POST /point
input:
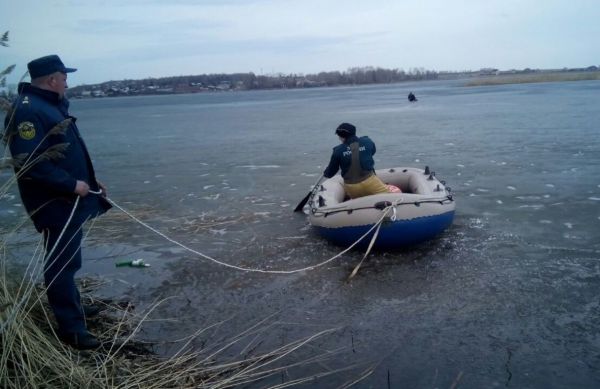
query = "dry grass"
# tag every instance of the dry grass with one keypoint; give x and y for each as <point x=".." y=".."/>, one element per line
<point x="534" y="77"/>
<point x="32" y="356"/>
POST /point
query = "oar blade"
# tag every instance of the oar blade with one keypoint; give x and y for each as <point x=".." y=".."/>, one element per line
<point x="302" y="203"/>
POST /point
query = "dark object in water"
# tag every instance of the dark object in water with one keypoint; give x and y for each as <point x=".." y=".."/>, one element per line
<point x="310" y="194"/>
<point x="412" y="97"/>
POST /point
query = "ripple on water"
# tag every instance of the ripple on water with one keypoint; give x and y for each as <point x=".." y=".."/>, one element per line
<point x="476" y="223"/>
<point x="255" y="167"/>
<point x="213" y="197"/>
<point x="532" y="206"/>
<point x="529" y="198"/>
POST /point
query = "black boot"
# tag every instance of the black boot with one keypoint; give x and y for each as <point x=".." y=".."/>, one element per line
<point x="80" y="340"/>
<point x="91" y="310"/>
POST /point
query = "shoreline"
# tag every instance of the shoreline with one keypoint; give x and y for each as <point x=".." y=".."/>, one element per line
<point x="534" y="78"/>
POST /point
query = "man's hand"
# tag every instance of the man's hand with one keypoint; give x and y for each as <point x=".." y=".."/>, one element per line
<point x="103" y="189"/>
<point x="82" y="188"/>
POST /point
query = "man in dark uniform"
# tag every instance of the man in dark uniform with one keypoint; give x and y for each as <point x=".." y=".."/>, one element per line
<point x="54" y="173"/>
<point x="355" y="158"/>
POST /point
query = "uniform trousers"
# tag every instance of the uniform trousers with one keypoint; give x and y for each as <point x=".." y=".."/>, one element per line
<point x="59" y="276"/>
<point x="369" y="186"/>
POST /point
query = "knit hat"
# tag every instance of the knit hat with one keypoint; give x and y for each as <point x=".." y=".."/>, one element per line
<point x="345" y="130"/>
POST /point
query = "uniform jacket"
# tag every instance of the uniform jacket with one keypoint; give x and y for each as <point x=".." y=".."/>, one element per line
<point x="341" y="158"/>
<point x="47" y="186"/>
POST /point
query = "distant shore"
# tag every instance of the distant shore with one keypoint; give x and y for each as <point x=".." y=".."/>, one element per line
<point x="533" y="77"/>
<point x="353" y="77"/>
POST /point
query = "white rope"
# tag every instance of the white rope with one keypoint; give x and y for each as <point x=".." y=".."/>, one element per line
<point x="62" y="232"/>
<point x="376" y="225"/>
<point x="368" y="250"/>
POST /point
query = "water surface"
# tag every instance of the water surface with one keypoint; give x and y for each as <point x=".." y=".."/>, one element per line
<point x="508" y="296"/>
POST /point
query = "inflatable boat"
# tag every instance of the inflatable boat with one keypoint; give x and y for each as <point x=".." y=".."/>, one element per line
<point x="422" y="208"/>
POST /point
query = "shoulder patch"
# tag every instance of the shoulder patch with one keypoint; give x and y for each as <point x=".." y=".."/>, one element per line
<point x="26" y="130"/>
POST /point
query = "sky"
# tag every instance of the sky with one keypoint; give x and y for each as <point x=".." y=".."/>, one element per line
<point x="135" y="39"/>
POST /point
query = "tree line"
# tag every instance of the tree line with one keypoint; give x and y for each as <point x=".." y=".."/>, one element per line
<point x="250" y="81"/>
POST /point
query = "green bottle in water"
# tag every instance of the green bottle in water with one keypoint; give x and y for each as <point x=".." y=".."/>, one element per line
<point x="133" y="263"/>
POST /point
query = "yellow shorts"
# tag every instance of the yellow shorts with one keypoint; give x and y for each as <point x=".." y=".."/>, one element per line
<point x="371" y="185"/>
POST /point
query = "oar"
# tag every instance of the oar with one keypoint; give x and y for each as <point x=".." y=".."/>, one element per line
<point x="302" y="203"/>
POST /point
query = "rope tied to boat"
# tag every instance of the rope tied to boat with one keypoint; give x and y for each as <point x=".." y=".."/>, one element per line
<point x="375" y="227"/>
<point x="391" y="206"/>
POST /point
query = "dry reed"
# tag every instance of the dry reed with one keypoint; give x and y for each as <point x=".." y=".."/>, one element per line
<point x="534" y="77"/>
<point x="33" y="357"/>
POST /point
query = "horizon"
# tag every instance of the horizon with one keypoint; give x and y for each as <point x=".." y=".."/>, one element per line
<point x="340" y="71"/>
<point x="14" y="85"/>
<point x="148" y="39"/>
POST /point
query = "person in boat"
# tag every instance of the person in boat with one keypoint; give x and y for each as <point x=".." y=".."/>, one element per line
<point x="412" y="97"/>
<point x="355" y="159"/>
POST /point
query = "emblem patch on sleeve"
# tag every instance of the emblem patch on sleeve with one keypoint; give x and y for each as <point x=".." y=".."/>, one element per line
<point x="26" y="130"/>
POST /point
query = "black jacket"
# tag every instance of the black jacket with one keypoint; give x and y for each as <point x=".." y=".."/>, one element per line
<point x="341" y="157"/>
<point x="48" y="172"/>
